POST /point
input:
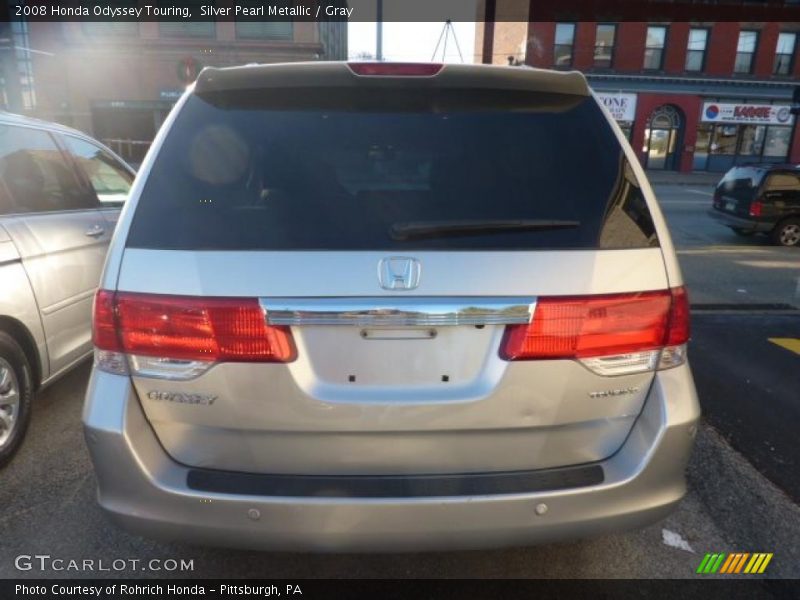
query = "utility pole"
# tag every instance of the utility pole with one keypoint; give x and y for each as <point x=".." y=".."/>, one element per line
<point x="379" y="28"/>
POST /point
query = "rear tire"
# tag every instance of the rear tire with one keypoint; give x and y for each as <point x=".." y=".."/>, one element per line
<point x="16" y="392"/>
<point x="742" y="232"/>
<point x="787" y="233"/>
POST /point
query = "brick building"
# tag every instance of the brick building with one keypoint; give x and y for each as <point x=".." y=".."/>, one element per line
<point x="118" y="80"/>
<point x="690" y="96"/>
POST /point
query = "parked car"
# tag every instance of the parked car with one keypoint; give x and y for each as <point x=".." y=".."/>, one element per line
<point x="390" y="306"/>
<point x="60" y="196"/>
<point x="760" y="199"/>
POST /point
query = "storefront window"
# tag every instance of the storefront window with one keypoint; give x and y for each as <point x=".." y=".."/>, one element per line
<point x="734" y="139"/>
<point x="752" y="140"/>
<point x="701" y="146"/>
<point x="776" y="142"/>
<point x="724" y="139"/>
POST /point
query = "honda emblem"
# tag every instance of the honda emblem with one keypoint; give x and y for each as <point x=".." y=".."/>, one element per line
<point x="399" y="273"/>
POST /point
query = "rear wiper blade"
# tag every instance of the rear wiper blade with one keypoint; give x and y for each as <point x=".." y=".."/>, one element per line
<point x="423" y="229"/>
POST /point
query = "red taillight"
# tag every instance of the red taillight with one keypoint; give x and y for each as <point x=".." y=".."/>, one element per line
<point x="679" y="328"/>
<point x="379" y="69"/>
<point x="756" y="207"/>
<point x="189" y="328"/>
<point x="589" y="326"/>
<point x="104" y="330"/>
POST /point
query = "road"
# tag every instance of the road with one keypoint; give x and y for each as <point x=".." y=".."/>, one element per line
<point x="743" y="477"/>
<point x="720" y="267"/>
<point x="744" y="293"/>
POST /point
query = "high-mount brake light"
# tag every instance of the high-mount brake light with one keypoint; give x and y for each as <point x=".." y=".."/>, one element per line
<point x="380" y="69"/>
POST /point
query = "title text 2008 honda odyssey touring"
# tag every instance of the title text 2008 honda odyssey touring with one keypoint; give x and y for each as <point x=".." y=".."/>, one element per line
<point x="389" y="306"/>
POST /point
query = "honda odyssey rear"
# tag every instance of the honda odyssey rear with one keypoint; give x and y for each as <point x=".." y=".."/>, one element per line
<point x="390" y="307"/>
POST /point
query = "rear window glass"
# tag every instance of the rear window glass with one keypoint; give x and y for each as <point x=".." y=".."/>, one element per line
<point x="390" y="170"/>
<point x="741" y="178"/>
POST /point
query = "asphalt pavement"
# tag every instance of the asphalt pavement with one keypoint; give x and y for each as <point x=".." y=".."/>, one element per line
<point x="743" y="476"/>
<point x="720" y="267"/>
<point x="749" y="388"/>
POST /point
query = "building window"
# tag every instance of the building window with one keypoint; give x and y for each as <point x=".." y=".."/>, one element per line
<point x="265" y="30"/>
<point x="745" y="50"/>
<point x="750" y="143"/>
<point x="187" y="28"/>
<point x="654" y="48"/>
<point x="784" y="54"/>
<point x="696" y="49"/>
<point x="113" y="28"/>
<point x="565" y="40"/>
<point x="604" y="46"/>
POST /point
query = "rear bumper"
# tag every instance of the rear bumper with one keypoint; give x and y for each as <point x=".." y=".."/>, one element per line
<point x="146" y="492"/>
<point x="730" y="220"/>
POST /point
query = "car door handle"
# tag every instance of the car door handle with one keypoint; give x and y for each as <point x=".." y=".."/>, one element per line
<point x="95" y="231"/>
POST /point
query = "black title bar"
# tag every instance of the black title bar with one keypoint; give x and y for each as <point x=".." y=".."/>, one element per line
<point x="406" y="10"/>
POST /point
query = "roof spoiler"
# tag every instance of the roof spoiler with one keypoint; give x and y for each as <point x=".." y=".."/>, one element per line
<point x="339" y="74"/>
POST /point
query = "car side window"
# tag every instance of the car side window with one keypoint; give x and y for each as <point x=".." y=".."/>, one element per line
<point x="111" y="181"/>
<point x="782" y="182"/>
<point x="36" y="174"/>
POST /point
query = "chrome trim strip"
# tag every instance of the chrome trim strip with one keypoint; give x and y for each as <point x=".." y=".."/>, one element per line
<point x="393" y="312"/>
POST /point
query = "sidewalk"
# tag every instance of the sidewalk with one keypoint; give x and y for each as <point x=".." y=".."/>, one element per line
<point x="696" y="178"/>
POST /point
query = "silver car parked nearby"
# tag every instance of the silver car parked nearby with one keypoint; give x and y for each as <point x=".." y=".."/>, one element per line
<point x="390" y="306"/>
<point x="60" y="197"/>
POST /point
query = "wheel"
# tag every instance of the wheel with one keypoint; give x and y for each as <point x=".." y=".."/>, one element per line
<point x="742" y="232"/>
<point x="787" y="232"/>
<point x="16" y="392"/>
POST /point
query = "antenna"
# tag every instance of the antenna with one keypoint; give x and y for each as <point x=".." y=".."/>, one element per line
<point x="447" y="31"/>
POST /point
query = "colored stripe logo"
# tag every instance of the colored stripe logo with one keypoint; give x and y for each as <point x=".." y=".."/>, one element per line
<point x="734" y="563"/>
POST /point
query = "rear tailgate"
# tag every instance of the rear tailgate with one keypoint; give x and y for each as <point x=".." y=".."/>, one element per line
<point x="738" y="189"/>
<point x="335" y="208"/>
<point x="364" y="399"/>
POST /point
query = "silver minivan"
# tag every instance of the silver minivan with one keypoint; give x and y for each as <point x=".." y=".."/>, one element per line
<point x="60" y="197"/>
<point x="390" y="307"/>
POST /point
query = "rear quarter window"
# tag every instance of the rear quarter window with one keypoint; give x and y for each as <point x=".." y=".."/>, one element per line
<point x="782" y="182"/>
<point x="252" y="171"/>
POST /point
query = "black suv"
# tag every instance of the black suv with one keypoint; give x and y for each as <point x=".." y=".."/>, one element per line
<point x="761" y="199"/>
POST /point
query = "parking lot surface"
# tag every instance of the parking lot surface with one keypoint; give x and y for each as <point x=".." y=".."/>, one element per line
<point x="743" y="477"/>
